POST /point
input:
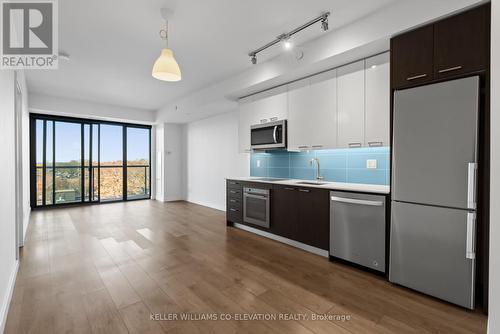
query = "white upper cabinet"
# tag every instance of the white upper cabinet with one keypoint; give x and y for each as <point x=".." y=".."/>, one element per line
<point x="351" y="104"/>
<point x="323" y="110"/>
<point x="246" y="119"/>
<point x="268" y="106"/>
<point x="271" y="105"/>
<point x="299" y="119"/>
<point x="377" y="100"/>
<point x="312" y="112"/>
<point x="345" y="107"/>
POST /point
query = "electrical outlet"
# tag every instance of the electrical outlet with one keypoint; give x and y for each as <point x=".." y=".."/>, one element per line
<point x="371" y="163"/>
<point x="258" y="163"/>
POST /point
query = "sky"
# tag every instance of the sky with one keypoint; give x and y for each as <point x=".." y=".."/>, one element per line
<point x="68" y="142"/>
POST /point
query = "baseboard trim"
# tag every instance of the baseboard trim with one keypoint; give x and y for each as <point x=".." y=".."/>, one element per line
<point x="290" y="242"/>
<point x="8" y="298"/>
<point x="208" y="205"/>
<point x="26" y="222"/>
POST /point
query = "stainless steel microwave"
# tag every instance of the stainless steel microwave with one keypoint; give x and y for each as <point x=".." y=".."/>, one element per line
<point x="270" y="135"/>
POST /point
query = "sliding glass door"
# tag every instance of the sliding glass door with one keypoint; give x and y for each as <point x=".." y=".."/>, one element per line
<point x="111" y="166"/>
<point x="85" y="161"/>
<point x="138" y="163"/>
<point x="67" y="170"/>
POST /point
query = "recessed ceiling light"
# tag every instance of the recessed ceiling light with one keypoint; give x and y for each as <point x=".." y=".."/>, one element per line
<point x="373" y="66"/>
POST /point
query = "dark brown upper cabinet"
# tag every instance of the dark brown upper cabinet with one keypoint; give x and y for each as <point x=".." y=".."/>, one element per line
<point x="411" y="56"/>
<point x="453" y="46"/>
<point x="461" y="43"/>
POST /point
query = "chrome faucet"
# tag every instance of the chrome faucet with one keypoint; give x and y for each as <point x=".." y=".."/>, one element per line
<point x="318" y="169"/>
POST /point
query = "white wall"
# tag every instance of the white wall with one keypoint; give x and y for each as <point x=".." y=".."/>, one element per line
<point x="21" y="79"/>
<point x="8" y="263"/>
<point x="175" y="187"/>
<point x="494" y="279"/>
<point x="170" y="166"/>
<point x="159" y="153"/>
<point x="212" y="155"/>
<point x="44" y="104"/>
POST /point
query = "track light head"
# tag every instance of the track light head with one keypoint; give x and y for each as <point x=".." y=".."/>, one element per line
<point x="253" y="58"/>
<point x="324" y="24"/>
<point x="286" y="41"/>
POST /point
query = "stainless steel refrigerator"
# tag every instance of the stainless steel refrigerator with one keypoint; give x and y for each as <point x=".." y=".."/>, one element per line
<point x="433" y="218"/>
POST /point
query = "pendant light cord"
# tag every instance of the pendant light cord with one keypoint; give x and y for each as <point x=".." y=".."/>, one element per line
<point x="164" y="33"/>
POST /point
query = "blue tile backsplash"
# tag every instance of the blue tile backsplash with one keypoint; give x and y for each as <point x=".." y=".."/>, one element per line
<point x="340" y="165"/>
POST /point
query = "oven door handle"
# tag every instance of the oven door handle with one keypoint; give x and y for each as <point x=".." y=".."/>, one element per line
<point x="275" y="134"/>
<point x="255" y="196"/>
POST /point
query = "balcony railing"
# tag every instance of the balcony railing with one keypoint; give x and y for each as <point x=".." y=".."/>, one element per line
<point x="66" y="184"/>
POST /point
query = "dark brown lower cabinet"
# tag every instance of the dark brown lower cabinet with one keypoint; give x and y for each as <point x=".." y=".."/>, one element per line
<point x="284" y="202"/>
<point x="313" y="216"/>
<point x="301" y="214"/>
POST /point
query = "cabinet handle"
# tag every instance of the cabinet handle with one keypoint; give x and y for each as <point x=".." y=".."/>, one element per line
<point x="375" y="143"/>
<point x="303" y="146"/>
<point x="288" y="188"/>
<point x="352" y="145"/>
<point x="272" y="119"/>
<point x="304" y="190"/>
<point x="416" y="77"/>
<point x="233" y="210"/>
<point x="317" y="146"/>
<point x="450" y="69"/>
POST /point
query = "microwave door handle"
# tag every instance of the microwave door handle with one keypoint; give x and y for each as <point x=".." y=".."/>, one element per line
<point x="275" y="134"/>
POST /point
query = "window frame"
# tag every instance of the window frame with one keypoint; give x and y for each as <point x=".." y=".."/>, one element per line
<point x="92" y="169"/>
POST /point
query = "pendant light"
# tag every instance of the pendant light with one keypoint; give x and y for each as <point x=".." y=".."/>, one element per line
<point x="165" y="67"/>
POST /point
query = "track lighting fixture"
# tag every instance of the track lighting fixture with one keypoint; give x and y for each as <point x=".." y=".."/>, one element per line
<point x="287" y="42"/>
<point x="324" y="24"/>
<point x="253" y="59"/>
<point x="285" y="38"/>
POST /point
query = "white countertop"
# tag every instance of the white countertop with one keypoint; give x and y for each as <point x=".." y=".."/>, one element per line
<point x="357" y="187"/>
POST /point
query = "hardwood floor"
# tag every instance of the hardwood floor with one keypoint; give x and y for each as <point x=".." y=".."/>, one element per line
<point x="108" y="268"/>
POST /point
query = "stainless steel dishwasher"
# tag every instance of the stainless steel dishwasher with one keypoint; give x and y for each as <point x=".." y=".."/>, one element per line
<point x="358" y="228"/>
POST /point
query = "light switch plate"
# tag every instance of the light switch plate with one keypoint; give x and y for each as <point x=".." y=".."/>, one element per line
<point x="371" y="163"/>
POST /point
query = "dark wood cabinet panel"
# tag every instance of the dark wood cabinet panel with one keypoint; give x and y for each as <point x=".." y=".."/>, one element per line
<point x="313" y="216"/>
<point x="461" y="43"/>
<point x="301" y="214"/>
<point x="234" y="201"/>
<point x="412" y="57"/>
<point x="284" y="220"/>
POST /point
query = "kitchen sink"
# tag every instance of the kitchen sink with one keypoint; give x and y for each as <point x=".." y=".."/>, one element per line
<point x="312" y="183"/>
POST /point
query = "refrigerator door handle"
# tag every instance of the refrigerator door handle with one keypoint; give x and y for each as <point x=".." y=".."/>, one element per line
<point x="471" y="185"/>
<point x="470" y="246"/>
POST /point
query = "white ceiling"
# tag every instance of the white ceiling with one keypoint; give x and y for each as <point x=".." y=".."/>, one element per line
<point x="113" y="44"/>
